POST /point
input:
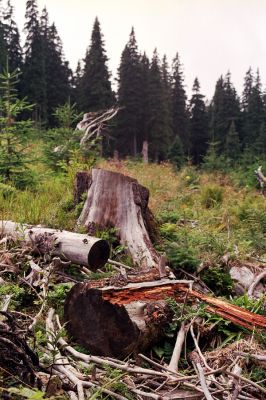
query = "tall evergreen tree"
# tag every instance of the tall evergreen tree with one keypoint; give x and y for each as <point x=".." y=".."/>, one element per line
<point x="128" y="130"/>
<point x="145" y="99"/>
<point x="232" y="145"/>
<point x="12" y="38"/>
<point x="57" y="72"/>
<point x="34" y="77"/>
<point x="160" y="126"/>
<point x="95" y="86"/>
<point x="223" y="110"/>
<point x="180" y="114"/>
<point x="253" y="109"/>
<point x="3" y="44"/>
<point x="198" y="132"/>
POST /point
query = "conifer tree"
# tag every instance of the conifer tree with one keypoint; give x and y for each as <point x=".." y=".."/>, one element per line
<point x="145" y="99"/>
<point x="33" y="80"/>
<point x="12" y="38"/>
<point x="95" y="86"/>
<point x="128" y="130"/>
<point x="159" y="128"/>
<point x="198" y="132"/>
<point x="253" y="110"/>
<point x="3" y="44"/>
<point x="232" y="146"/>
<point x="57" y="72"/>
<point x="180" y="114"/>
<point x="224" y="109"/>
<point x="14" y="134"/>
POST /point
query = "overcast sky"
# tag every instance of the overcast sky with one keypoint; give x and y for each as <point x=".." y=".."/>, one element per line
<point x="211" y="36"/>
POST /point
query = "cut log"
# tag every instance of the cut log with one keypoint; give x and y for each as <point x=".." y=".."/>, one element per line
<point x="78" y="248"/>
<point x="114" y="321"/>
<point x="118" y="201"/>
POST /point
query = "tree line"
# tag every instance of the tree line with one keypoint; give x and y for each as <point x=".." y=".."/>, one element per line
<point x="154" y="106"/>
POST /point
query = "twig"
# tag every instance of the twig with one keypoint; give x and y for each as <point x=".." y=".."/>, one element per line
<point x="260" y="388"/>
<point x="118" y="264"/>
<point x="173" y="365"/>
<point x="198" y="348"/>
<point x="256" y="282"/>
<point x="199" y="370"/>
<point x="258" y="357"/>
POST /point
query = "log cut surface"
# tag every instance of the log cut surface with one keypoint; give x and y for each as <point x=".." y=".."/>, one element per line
<point x="78" y="248"/>
<point x="116" y="200"/>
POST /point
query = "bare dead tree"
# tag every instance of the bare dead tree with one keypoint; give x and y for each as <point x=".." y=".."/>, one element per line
<point x="94" y="124"/>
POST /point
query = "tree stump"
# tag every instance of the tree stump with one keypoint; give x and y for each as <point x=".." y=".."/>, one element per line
<point x="118" y="201"/>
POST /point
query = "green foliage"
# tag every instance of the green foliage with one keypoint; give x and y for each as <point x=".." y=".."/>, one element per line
<point x="190" y="177"/>
<point x="176" y="153"/>
<point x="14" y="134"/>
<point x="182" y="256"/>
<point x="57" y="294"/>
<point x="7" y="190"/>
<point x="211" y="195"/>
<point x="17" y="293"/>
<point x="63" y="142"/>
<point x="218" y="280"/>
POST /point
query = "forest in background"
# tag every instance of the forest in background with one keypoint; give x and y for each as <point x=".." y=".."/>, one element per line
<point x="224" y="132"/>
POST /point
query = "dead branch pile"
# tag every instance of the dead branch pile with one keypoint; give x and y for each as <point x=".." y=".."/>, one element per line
<point x="217" y="374"/>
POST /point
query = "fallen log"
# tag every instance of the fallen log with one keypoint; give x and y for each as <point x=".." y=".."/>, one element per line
<point x="118" y="201"/>
<point x="115" y="321"/>
<point x="78" y="248"/>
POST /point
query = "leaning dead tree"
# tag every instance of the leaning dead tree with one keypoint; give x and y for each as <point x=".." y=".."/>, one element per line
<point x="94" y="124"/>
<point x="78" y="248"/>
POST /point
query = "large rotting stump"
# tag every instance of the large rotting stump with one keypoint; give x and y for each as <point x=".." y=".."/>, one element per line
<point x="118" y="201"/>
<point x="114" y="321"/>
<point x="113" y="329"/>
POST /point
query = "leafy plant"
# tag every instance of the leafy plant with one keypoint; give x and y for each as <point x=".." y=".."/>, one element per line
<point x="211" y="195"/>
<point x="218" y="280"/>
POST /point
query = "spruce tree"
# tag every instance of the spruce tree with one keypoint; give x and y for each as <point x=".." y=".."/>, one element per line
<point x="33" y="81"/>
<point x="145" y="115"/>
<point x="14" y="134"/>
<point x="160" y="127"/>
<point x="12" y="38"/>
<point x="3" y="44"/>
<point x="223" y="110"/>
<point x="95" y="86"/>
<point x="57" y="72"/>
<point x="128" y="128"/>
<point x="179" y="107"/>
<point x="253" y="110"/>
<point x="198" y="127"/>
<point x="232" y="146"/>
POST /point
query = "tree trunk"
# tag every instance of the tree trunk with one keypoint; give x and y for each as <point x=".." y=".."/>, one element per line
<point x="145" y="154"/>
<point x="75" y="247"/>
<point x="114" y="321"/>
<point x="118" y="201"/>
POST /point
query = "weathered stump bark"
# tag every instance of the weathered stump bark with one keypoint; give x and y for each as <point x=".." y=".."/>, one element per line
<point x="114" y="321"/>
<point x="78" y="248"/>
<point x="116" y="200"/>
<point x="109" y="329"/>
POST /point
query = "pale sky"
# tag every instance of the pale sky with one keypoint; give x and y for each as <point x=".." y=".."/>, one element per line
<point x="211" y="36"/>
